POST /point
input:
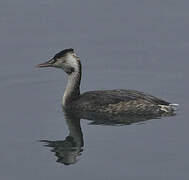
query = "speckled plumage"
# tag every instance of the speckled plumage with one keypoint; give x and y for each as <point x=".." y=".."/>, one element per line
<point x="119" y="101"/>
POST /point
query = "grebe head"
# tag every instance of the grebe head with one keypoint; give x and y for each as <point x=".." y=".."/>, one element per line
<point x="66" y="60"/>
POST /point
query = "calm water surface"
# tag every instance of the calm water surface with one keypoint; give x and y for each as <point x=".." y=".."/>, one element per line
<point x="142" y="45"/>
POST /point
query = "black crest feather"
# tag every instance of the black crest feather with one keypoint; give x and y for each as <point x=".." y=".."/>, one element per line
<point x="63" y="53"/>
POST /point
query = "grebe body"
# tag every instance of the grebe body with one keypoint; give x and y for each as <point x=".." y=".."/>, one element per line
<point x="103" y="101"/>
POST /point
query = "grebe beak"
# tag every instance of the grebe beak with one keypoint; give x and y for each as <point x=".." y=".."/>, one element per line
<point x="47" y="64"/>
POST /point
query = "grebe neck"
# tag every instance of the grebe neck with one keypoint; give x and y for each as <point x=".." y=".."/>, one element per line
<point x="72" y="90"/>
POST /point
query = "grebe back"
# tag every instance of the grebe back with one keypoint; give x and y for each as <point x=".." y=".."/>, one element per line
<point x="103" y="101"/>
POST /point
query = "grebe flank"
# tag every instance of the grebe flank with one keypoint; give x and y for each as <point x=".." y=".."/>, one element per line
<point x="103" y="101"/>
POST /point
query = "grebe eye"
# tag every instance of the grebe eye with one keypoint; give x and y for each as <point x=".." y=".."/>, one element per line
<point x="63" y="61"/>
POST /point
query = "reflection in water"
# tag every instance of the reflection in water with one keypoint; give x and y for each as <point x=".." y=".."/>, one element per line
<point x="69" y="149"/>
<point x="114" y="119"/>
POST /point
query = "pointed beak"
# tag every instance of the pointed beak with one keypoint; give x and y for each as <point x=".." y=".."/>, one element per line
<point x="46" y="64"/>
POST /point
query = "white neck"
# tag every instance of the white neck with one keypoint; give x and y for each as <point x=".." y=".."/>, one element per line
<point x="73" y="88"/>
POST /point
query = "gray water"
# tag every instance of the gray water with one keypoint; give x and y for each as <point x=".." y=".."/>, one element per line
<point x="132" y="44"/>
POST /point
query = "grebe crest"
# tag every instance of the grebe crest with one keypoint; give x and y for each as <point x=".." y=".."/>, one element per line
<point x="103" y="101"/>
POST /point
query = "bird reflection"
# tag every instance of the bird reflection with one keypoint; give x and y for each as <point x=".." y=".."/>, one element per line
<point x="68" y="150"/>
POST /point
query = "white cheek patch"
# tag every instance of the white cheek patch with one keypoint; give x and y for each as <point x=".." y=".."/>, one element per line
<point x="72" y="61"/>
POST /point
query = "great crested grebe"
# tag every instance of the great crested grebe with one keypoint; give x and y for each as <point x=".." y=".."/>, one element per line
<point x="103" y="101"/>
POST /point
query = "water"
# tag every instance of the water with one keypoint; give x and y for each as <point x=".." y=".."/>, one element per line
<point x="131" y="44"/>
